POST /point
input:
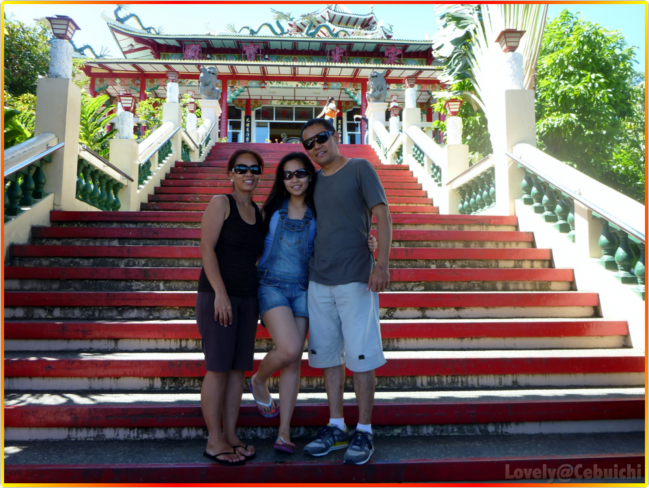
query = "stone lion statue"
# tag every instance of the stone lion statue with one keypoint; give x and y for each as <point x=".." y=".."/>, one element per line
<point x="378" y="88"/>
<point x="207" y="80"/>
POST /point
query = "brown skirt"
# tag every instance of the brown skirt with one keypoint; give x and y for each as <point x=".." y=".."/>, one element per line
<point x="232" y="347"/>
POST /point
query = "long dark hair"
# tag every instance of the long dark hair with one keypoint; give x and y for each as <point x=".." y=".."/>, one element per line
<point x="279" y="193"/>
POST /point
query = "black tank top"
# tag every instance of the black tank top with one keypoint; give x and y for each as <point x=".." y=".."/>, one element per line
<point x="237" y="250"/>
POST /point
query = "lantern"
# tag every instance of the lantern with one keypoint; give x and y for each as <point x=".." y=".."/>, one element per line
<point x="262" y="85"/>
<point x="191" y="93"/>
<point x="127" y="100"/>
<point x="410" y="81"/>
<point x="191" y="105"/>
<point x="395" y="110"/>
<point x="453" y="106"/>
<point x="63" y="27"/>
<point x="172" y="76"/>
<point x="509" y="39"/>
<point x="325" y="86"/>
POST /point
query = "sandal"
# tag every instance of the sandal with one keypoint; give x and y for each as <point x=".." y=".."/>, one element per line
<point x="248" y="458"/>
<point x="224" y="462"/>
<point x="285" y="447"/>
<point x="271" y="403"/>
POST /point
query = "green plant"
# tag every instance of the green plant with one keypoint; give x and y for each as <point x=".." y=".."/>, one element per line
<point x="94" y="118"/>
<point x="15" y="131"/>
<point x="149" y="112"/>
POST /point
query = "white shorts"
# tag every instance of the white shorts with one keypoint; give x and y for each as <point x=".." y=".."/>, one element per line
<point x="344" y="327"/>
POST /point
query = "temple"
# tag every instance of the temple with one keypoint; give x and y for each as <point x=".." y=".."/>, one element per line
<point x="278" y="75"/>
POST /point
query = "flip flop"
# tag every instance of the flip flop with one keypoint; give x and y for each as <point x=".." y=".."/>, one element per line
<point x="285" y="447"/>
<point x="223" y="462"/>
<point x="269" y="404"/>
<point x="248" y="458"/>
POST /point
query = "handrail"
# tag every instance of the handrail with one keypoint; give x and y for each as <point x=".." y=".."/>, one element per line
<point x="614" y="219"/>
<point x="33" y="159"/>
<point x="470" y="169"/>
<point x="381" y="133"/>
<point x="422" y="144"/>
<point x="399" y="138"/>
<point x="209" y="131"/>
<point x="159" y="144"/>
<point x="151" y="141"/>
<point x="185" y="134"/>
<point x="106" y="162"/>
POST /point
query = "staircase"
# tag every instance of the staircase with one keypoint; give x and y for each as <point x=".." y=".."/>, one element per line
<point x="497" y="365"/>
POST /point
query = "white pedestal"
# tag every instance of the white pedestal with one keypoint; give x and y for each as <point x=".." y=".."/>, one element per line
<point x="375" y="111"/>
<point x="211" y="111"/>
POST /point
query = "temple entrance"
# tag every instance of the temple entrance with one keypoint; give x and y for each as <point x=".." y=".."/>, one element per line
<point x="277" y="124"/>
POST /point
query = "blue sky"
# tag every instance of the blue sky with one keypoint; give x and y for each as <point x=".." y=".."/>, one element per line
<point x="410" y="21"/>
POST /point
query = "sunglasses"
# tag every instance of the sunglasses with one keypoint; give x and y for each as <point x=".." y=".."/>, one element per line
<point x="299" y="173"/>
<point x="319" y="138"/>
<point x="242" y="169"/>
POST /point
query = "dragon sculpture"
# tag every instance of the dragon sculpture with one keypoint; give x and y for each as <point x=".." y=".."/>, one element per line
<point x="123" y="20"/>
<point x="87" y="47"/>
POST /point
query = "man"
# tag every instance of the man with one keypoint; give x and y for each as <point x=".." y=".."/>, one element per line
<point x="344" y="285"/>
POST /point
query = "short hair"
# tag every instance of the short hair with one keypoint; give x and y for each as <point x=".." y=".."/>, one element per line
<point x="323" y="122"/>
<point x="239" y="152"/>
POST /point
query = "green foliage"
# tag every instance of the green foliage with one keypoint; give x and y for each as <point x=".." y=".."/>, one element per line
<point x="584" y="96"/>
<point x="15" y="131"/>
<point x="149" y="112"/>
<point x="94" y="118"/>
<point x="26" y="55"/>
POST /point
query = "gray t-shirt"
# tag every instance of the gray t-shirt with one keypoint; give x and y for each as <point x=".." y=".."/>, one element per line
<point x="343" y="202"/>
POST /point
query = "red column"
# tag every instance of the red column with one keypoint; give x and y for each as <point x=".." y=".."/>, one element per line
<point x="339" y="121"/>
<point x="247" y="123"/>
<point x="224" y="110"/>
<point x="429" y="114"/>
<point x="142" y="89"/>
<point x="363" y="109"/>
<point x="91" y="87"/>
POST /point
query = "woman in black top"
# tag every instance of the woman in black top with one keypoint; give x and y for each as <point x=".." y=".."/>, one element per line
<point x="232" y="239"/>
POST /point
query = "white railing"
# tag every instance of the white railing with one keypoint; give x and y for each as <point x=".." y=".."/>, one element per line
<point x="23" y="154"/>
<point x="383" y="140"/>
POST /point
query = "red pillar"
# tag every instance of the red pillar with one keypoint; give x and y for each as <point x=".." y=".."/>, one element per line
<point x="224" y="110"/>
<point x="142" y="89"/>
<point x="363" y="109"/>
<point x="339" y="121"/>
<point x="429" y="114"/>
<point x="91" y="87"/>
<point x="247" y="123"/>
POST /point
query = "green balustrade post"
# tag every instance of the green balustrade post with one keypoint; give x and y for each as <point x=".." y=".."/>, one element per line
<point x="103" y="196"/>
<point x="80" y="182"/>
<point x="526" y="185"/>
<point x="27" y="187"/>
<point x="624" y="258"/>
<point x="96" y="192"/>
<point x="462" y="193"/>
<point x="549" y="204"/>
<point x="640" y="271"/>
<point x="39" y="182"/>
<point x="492" y="187"/>
<point x="486" y="197"/>
<point x="608" y="242"/>
<point x="14" y="194"/>
<point x="116" y="189"/>
<point x="88" y="188"/>
<point x="537" y="194"/>
<point x="110" y="198"/>
<point x="472" y="201"/>
<point x="571" y="220"/>
<point x="562" y="210"/>
<point x="478" y="193"/>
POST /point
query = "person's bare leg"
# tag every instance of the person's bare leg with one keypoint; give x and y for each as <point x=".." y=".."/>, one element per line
<point x="289" y="382"/>
<point x="283" y="329"/>
<point x="212" y="398"/>
<point x="335" y="384"/>
<point x="364" y="385"/>
<point x="233" y="393"/>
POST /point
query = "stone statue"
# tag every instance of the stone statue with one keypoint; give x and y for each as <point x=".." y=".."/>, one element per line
<point x="207" y="80"/>
<point x="125" y="125"/>
<point x="378" y="88"/>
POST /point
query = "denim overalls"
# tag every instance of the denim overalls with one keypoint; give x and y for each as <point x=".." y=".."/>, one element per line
<point x="284" y="275"/>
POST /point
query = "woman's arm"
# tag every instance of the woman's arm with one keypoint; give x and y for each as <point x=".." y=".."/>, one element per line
<point x="211" y="224"/>
<point x="324" y="110"/>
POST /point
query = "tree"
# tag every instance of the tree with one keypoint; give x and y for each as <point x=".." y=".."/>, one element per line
<point x="26" y="55"/>
<point x="584" y="94"/>
<point x="94" y="118"/>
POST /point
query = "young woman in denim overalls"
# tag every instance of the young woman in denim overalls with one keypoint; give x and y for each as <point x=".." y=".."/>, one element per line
<point x="283" y="272"/>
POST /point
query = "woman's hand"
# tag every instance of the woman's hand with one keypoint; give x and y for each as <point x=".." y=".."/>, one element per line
<point x="222" y="309"/>
<point x="372" y="243"/>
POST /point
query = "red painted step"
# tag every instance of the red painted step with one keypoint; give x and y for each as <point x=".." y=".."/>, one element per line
<point x="146" y="366"/>
<point x="76" y="330"/>
<point x="223" y="164"/>
<point x="191" y="274"/>
<point x="270" y="172"/>
<point x="190" y="233"/>
<point x="399" y="471"/>
<point x="387" y="185"/>
<point x="386" y="300"/>
<point x="161" y="190"/>
<point x="211" y="176"/>
<point x="260" y="199"/>
<point x="200" y="207"/>
<point x="409" y="253"/>
<point x="59" y="216"/>
<point x="436" y="413"/>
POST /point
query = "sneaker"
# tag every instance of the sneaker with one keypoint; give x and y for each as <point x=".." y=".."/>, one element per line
<point x="361" y="448"/>
<point x="329" y="438"/>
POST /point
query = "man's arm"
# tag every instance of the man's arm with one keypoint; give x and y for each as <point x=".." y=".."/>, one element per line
<point x="380" y="277"/>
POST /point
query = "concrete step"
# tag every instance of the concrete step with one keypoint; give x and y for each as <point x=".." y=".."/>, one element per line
<point x="137" y="416"/>
<point x="260" y="199"/>
<point x="209" y="174"/>
<point x="414" y="207"/>
<point x="28" y="278"/>
<point x="616" y="458"/>
<point x="225" y="183"/>
<point x="434" y="221"/>
<point x="404" y="370"/>
<point x="184" y="236"/>
<point x="269" y="173"/>
<point x="197" y="190"/>
<point x="190" y="256"/>
<point x="396" y="335"/>
<point x="169" y="305"/>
